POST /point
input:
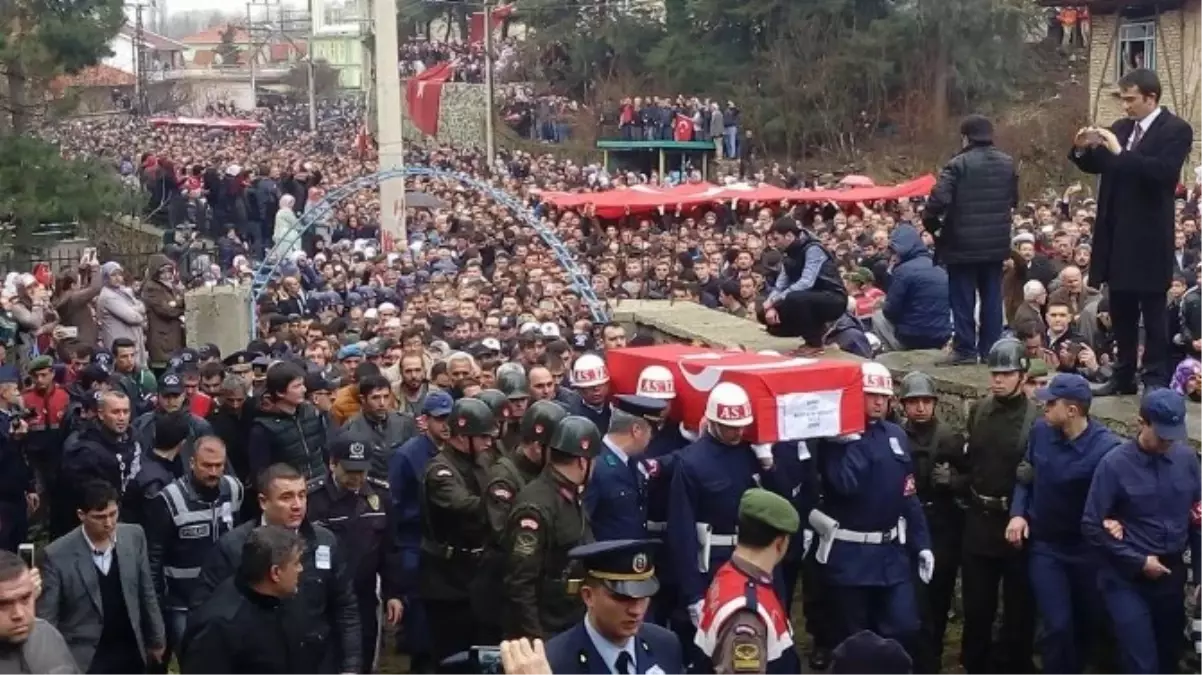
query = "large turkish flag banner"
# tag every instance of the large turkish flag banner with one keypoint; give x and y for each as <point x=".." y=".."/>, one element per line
<point x="423" y="96"/>
<point x="792" y="398"/>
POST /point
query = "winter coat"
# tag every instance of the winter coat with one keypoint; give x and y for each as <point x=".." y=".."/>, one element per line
<point x="974" y="196"/>
<point x="917" y="302"/>
<point x="75" y="308"/>
<point x="285" y="220"/>
<point x="121" y="315"/>
<point x="164" y="307"/>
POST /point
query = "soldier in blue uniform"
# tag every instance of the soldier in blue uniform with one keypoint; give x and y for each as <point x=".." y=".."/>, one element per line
<point x="590" y="378"/>
<point x="613" y="637"/>
<point x="1053" y="481"/>
<point x="405" y="470"/>
<point x="797" y="477"/>
<point x="872" y="525"/>
<point x="1151" y="489"/>
<point x="710" y="478"/>
<point x="616" y="498"/>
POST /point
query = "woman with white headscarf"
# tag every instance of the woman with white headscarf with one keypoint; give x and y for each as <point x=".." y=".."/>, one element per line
<point x="120" y="313"/>
<point x="285" y="220"/>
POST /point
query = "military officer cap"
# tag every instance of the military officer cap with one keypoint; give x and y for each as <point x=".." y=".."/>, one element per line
<point x="40" y="363"/>
<point x="497" y="402"/>
<point x="917" y="385"/>
<point x="650" y="409"/>
<point x="540" y="420"/>
<point x="770" y="509"/>
<point x="351" y="452"/>
<point x="514" y="383"/>
<point x="624" y="566"/>
<point x="576" y="435"/>
<point x="242" y="358"/>
<point x="1007" y="355"/>
<point x="470" y="417"/>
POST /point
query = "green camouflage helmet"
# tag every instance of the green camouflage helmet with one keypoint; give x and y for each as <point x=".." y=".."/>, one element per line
<point x="470" y="417"/>
<point x="540" y="421"/>
<point x="497" y="403"/>
<point x="917" y="385"/>
<point x="514" y="384"/>
<point x="1007" y="355"/>
<point x="576" y="435"/>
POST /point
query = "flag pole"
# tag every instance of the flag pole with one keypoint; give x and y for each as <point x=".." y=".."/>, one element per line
<point x="490" y="143"/>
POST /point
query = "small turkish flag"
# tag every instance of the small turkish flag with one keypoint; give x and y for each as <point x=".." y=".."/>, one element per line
<point x="682" y="128"/>
<point x="423" y="96"/>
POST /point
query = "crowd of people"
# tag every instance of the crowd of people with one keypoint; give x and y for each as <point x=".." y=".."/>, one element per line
<point x="429" y="437"/>
<point x="468" y="58"/>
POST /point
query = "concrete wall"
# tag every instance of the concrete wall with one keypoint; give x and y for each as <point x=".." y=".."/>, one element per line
<point x="220" y="315"/>
<point x="460" y="116"/>
<point x="692" y="323"/>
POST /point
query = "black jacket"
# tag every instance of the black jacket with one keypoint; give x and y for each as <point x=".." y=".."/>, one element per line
<point x="156" y="472"/>
<point x="1133" y="235"/>
<point x="95" y="453"/>
<point x="331" y="613"/>
<point x="969" y="209"/>
<point x="240" y="631"/>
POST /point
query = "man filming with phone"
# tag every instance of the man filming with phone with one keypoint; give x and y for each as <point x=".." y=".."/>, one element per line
<point x="1139" y="159"/>
<point x="18" y="494"/>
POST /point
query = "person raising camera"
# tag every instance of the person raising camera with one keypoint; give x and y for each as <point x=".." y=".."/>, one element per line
<point x="18" y="494"/>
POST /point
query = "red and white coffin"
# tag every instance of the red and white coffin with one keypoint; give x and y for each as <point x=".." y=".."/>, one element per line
<point x="792" y="397"/>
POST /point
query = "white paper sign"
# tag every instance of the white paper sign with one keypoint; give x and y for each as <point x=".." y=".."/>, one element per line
<point x="811" y="414"/>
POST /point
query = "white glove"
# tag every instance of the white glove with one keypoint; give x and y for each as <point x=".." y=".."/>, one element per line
<point x="926" y="565"/>
<point x="695" y="613"/>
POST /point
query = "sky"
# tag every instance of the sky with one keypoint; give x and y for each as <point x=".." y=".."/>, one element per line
<point x="226" y="6"/>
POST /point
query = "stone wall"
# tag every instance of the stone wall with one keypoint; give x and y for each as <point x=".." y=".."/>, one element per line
<point x="218" y="315"/>
<point x="958" y="387"/>
<point x="460" y="116"/>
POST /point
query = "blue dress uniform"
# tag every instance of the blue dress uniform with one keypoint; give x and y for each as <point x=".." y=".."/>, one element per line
<point x="616" y="498"/>
<point x="405" y="470"/>
<point x="797" y="477"/>
<point x="660" y="463"/>
<point x="867" y="549"/>
<point x="709" y="480"/>
<point x="1156" y="495"/>
<point x="623" y="568"/>
<point x="1062" y="569"/>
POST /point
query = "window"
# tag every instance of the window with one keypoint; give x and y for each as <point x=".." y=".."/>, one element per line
<point x="1137" y="46"/>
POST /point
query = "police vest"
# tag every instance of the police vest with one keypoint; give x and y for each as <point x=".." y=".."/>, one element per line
<point x="298" y="440"/>
<point x="731" y="591"/>
<point x="198" y="525"/>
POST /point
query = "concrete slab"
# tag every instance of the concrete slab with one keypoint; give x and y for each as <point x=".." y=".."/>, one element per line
<point x="958" y="386"/>
<point x="220" y="315"/>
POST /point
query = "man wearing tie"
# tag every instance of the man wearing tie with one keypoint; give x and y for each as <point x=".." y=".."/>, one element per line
<point x="613" y="637"/>
<point x="1139" y="159"/>
<point x="616" y="498"/>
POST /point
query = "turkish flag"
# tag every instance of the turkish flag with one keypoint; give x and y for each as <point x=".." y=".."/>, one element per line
<point x="423" y="94"/>
<point x="475" y="30"/>
<point x="682" y="128"/>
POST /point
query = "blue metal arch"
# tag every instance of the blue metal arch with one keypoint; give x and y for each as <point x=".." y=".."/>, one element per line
<point x="270" y="267"/>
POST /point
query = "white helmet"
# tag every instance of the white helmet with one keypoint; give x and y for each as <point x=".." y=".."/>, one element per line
<point x="589" y="371"/>
<point x="729" y="406"/>
<point x="877" y="378"/>
<point x="656" y="382"/>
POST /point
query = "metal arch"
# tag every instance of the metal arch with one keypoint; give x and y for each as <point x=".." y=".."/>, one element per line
<point x="269" y="268"/>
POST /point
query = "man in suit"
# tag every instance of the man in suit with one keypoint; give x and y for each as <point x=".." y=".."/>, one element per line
<point x="613" y="638"/>
<point x="98" y="591"/>
<point x="1139" y="159"/>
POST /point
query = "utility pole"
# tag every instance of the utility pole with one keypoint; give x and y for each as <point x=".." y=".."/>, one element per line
<point x="388" y="117"/>
<point x="309" y="71"/>
<point x="250" y="58"/>
<point x="139" y="62"/>
<point x="490" y="142"/>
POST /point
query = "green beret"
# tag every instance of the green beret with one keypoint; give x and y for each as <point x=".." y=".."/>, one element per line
<point x="1037" y="368"/>
<point x="770" y="509"/>
<point x="41" y="363"/>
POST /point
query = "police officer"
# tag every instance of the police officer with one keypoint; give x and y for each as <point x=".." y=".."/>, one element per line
<point x="406" y="468"/>
<point x="619" y="581"/>
<point x="18" y="495"/>
<point x="936" y="450"/>
<point x="183" y="523"/>
<point x="547" y="521"/>
<point x="516" y="387"/>
<point x="160" y="465"/>
<point x="171" y="398"/>
<point x="861" y="537"/>
<point x="744" y="626"/>
<point x="710" y="478"/>
<point x="346" y="503"/>
<point x="1053" y="481"/>
<point x="616" y="498"/>
<point x="455" y="528"/>
<point x="998" y="428"/>
<point x="1150" y="491"/>
<point x="590" y="379"/>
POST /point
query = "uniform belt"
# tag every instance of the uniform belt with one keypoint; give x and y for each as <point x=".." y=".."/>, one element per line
<point x="867" y="537"/>
<point x="378" y="482"/>
<point x="449" y="552"/>
<point x="724" y="539"/>
<point x="656" y="526"/>
<point x="985" y="501"/>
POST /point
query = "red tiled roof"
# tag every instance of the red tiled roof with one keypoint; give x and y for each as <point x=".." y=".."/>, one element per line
<point x="281" y="51"/>
<point x="212" y="36"/>
<point x="99" y="75"/>
<point x="204" y="58"/>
